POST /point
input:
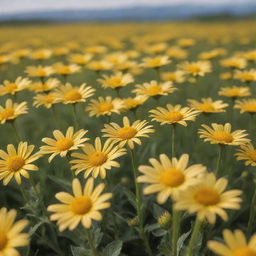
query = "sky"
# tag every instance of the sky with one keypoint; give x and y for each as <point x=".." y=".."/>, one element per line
<point x="16" y="6"/>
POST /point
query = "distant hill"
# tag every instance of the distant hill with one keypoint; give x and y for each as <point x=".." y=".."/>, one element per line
<point x="140" y="13"/>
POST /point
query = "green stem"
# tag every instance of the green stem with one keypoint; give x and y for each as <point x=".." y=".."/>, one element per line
<point x="173" y="140"/>
<point x="139" y="207"/>
<point x="24" y="195"/>
<point x="55" y="116"/>
<point x="252" y="214"/>
<point x="175" y="231"/>
<point x="221" y="149"/>
<point x="192" y="240"/>
<point x="14" y="126"/>
<point x="91" y="243"/>
<point x="74" y="114"/>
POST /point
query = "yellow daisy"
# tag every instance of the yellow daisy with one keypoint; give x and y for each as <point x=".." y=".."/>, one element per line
<point x="69" y="94"/>
<point x="46" y="86"/>
<point x="39" y="71"/>
<point x="101" y="65"/>
<point x="174" y="114"/>
<point x="155" y="62"/>
<point x="80" y="59"/>
<point x="83" y="206"/>
<point x="246" y="106"/>
<point x="154" y="88"/>
<point x="234" y="91"/>
<point x="66" y="70"/>
<point x="177" y="53"/>
<point x="234" y="62"/>
<point x="128" y="133"/>
<point x="221" y="134"/>
<point x="12" y="110"/>
<point x="235" y="244"/>
<point x="207" y="105"/>
<point x="12" y="87"/>
<point x="169" y="176"/>
<point x="104" y="106"/>
<point x="40" y="54"/>
<point x="177" y="76"/>
<point x="10" y="233"/>
<point x="247" y="76"/>
<point x="247" y="153"/>
<point x="96" y="159"/>
<point x="132" y="103"/>
<point x="196" y="68"/>
<point x="16" y="163"/>
<point x="46" y="100"/>
<point x="62" y="144"/>
<point x="225" y="76"/>
<point x="208" y="198"/>
<point x="116" y="80"/>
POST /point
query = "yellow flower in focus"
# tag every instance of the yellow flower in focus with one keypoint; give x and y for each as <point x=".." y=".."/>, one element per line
<point x="69" y="94"/>
<point x="12" y="110"/>
<point x="116" y="80"/>
<point x="246" y="105"/>
<point x="247" y="153"/>
<point x="208" y="198"/>
<point x="132" y="103"/>
<point x="17" y="163"/>
<point x="247" y="76"/>
<point x="12" y="88"/>
<point x="46" y="100"/>
<point x="39" y="71"/>
<point x="176" y="76"/>
<point x="83" y="206"/>
<point x="169" y="176"/>
<point x="62" y="144"/>
<point x="234" y="62"/>
<point x="155" y="62"/>
<point x="128" y="133"/>
<point x="97" y="158"/>
<point x="234" y="91"/>
<point x="10" y="233"/>
<point x="196" y="68"/>
<point x="154" y="89"/>
<point x="104" y="106"/>
<point x="222" y="134"/>
<point x="45" y="86"/>
<point x="66" y="70"/>
<point x="235" y="244"/>
<point x="174" y="114"/>
<point x="207" y="105"/>
<point x="80" y="59"/>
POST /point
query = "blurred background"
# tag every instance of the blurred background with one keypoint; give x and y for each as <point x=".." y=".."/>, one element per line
<point x="116" y="10"/>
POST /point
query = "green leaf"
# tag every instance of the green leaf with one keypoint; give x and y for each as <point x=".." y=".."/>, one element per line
<point x="113" y="249"/>
<point x="80" y="251"/>
<point x="61" y="182"/>
<point x="97" y="236"/>
<point x="131" y="197"/>
<point x="158" y="211"/>
<point x="181" y="240"/>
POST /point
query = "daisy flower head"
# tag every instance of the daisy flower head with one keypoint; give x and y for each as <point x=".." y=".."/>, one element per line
<point x="69" y="94"/>
<point x="46" y="86"/>
<point x="208" y="105"/>
<point x="83" y="206"/>
<point x="80" y="59"/>
<point x="234" y="91"/>
<point x="116" y="80"/>
<point x="46" y="100"/>
<point x="17" y="162"/>
<point x="62" y="144"/>
<point x="177" y="53"/>
<point x="173" y="114"/>
<point x="222" y="134"/>
<point x="66" y="70"/>
<point x="155" y="62"/>
<point x="177" y="76"/>
<point x="104" y="106"/>
<point x="234" y="63"/>
<point x="12" y="110"/>
<point x="246" y="76"/>
<point x="127" y="133"/>
<point x="246" y="106"/>
<point x="154" y="89"/>
<point x="39" y="71"/>
<point x="235" y="244"/>
<point x="97" y="158"/>
<point x="196" y="68"/>
<point x="131" y="103"/>
<point x="168" y="177"/>
<point x="100" y="65"/>
<point x="247" y="153"/>
<point x="208" y="198"/>
<point x="12" y="88"/>
<point x="40" y="54"/>
<point x="10" y="233"/>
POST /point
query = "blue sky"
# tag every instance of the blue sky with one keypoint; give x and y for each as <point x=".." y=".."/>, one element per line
<point x="14" y="6"/>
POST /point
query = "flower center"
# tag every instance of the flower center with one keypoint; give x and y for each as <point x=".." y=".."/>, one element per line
<point x="41" y="73"/>
<point x="154" y="90"/>
<point x="81" y="205"/>
<point x="64" y="70"/>
<point x="206" y="107"/>
<point x="114" y="81"/>
<point x="155" y="62"/>
<point x="10" y="87"/>
<point x="15" y="163"/>
<point x="233" y="92"/>
<point x="127" y="132"/>
<point x="48" y="98"/>
<point x="64" y="144"/>
<point x="207" y="196"/>
<point x="131" y="103"/>
<point x="244" y="252"/>
<point x="98" y="158"/>
<point x="3" y="241"/>
<point x="248" y="77"/>
<point x="194" y="69"/>
<point x="250" y="107"/>
<point x="223" y="136"/>
<point x="173" y="116"/>
<point x="73" y="95"/>
<point x="172" y="177"/>
<point x="252" y="155"/>
<point x="105" y="107"/>
<point x="7" y="113"/>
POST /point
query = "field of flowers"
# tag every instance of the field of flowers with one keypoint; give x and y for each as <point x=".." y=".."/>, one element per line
<point x="128" y="139"/>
